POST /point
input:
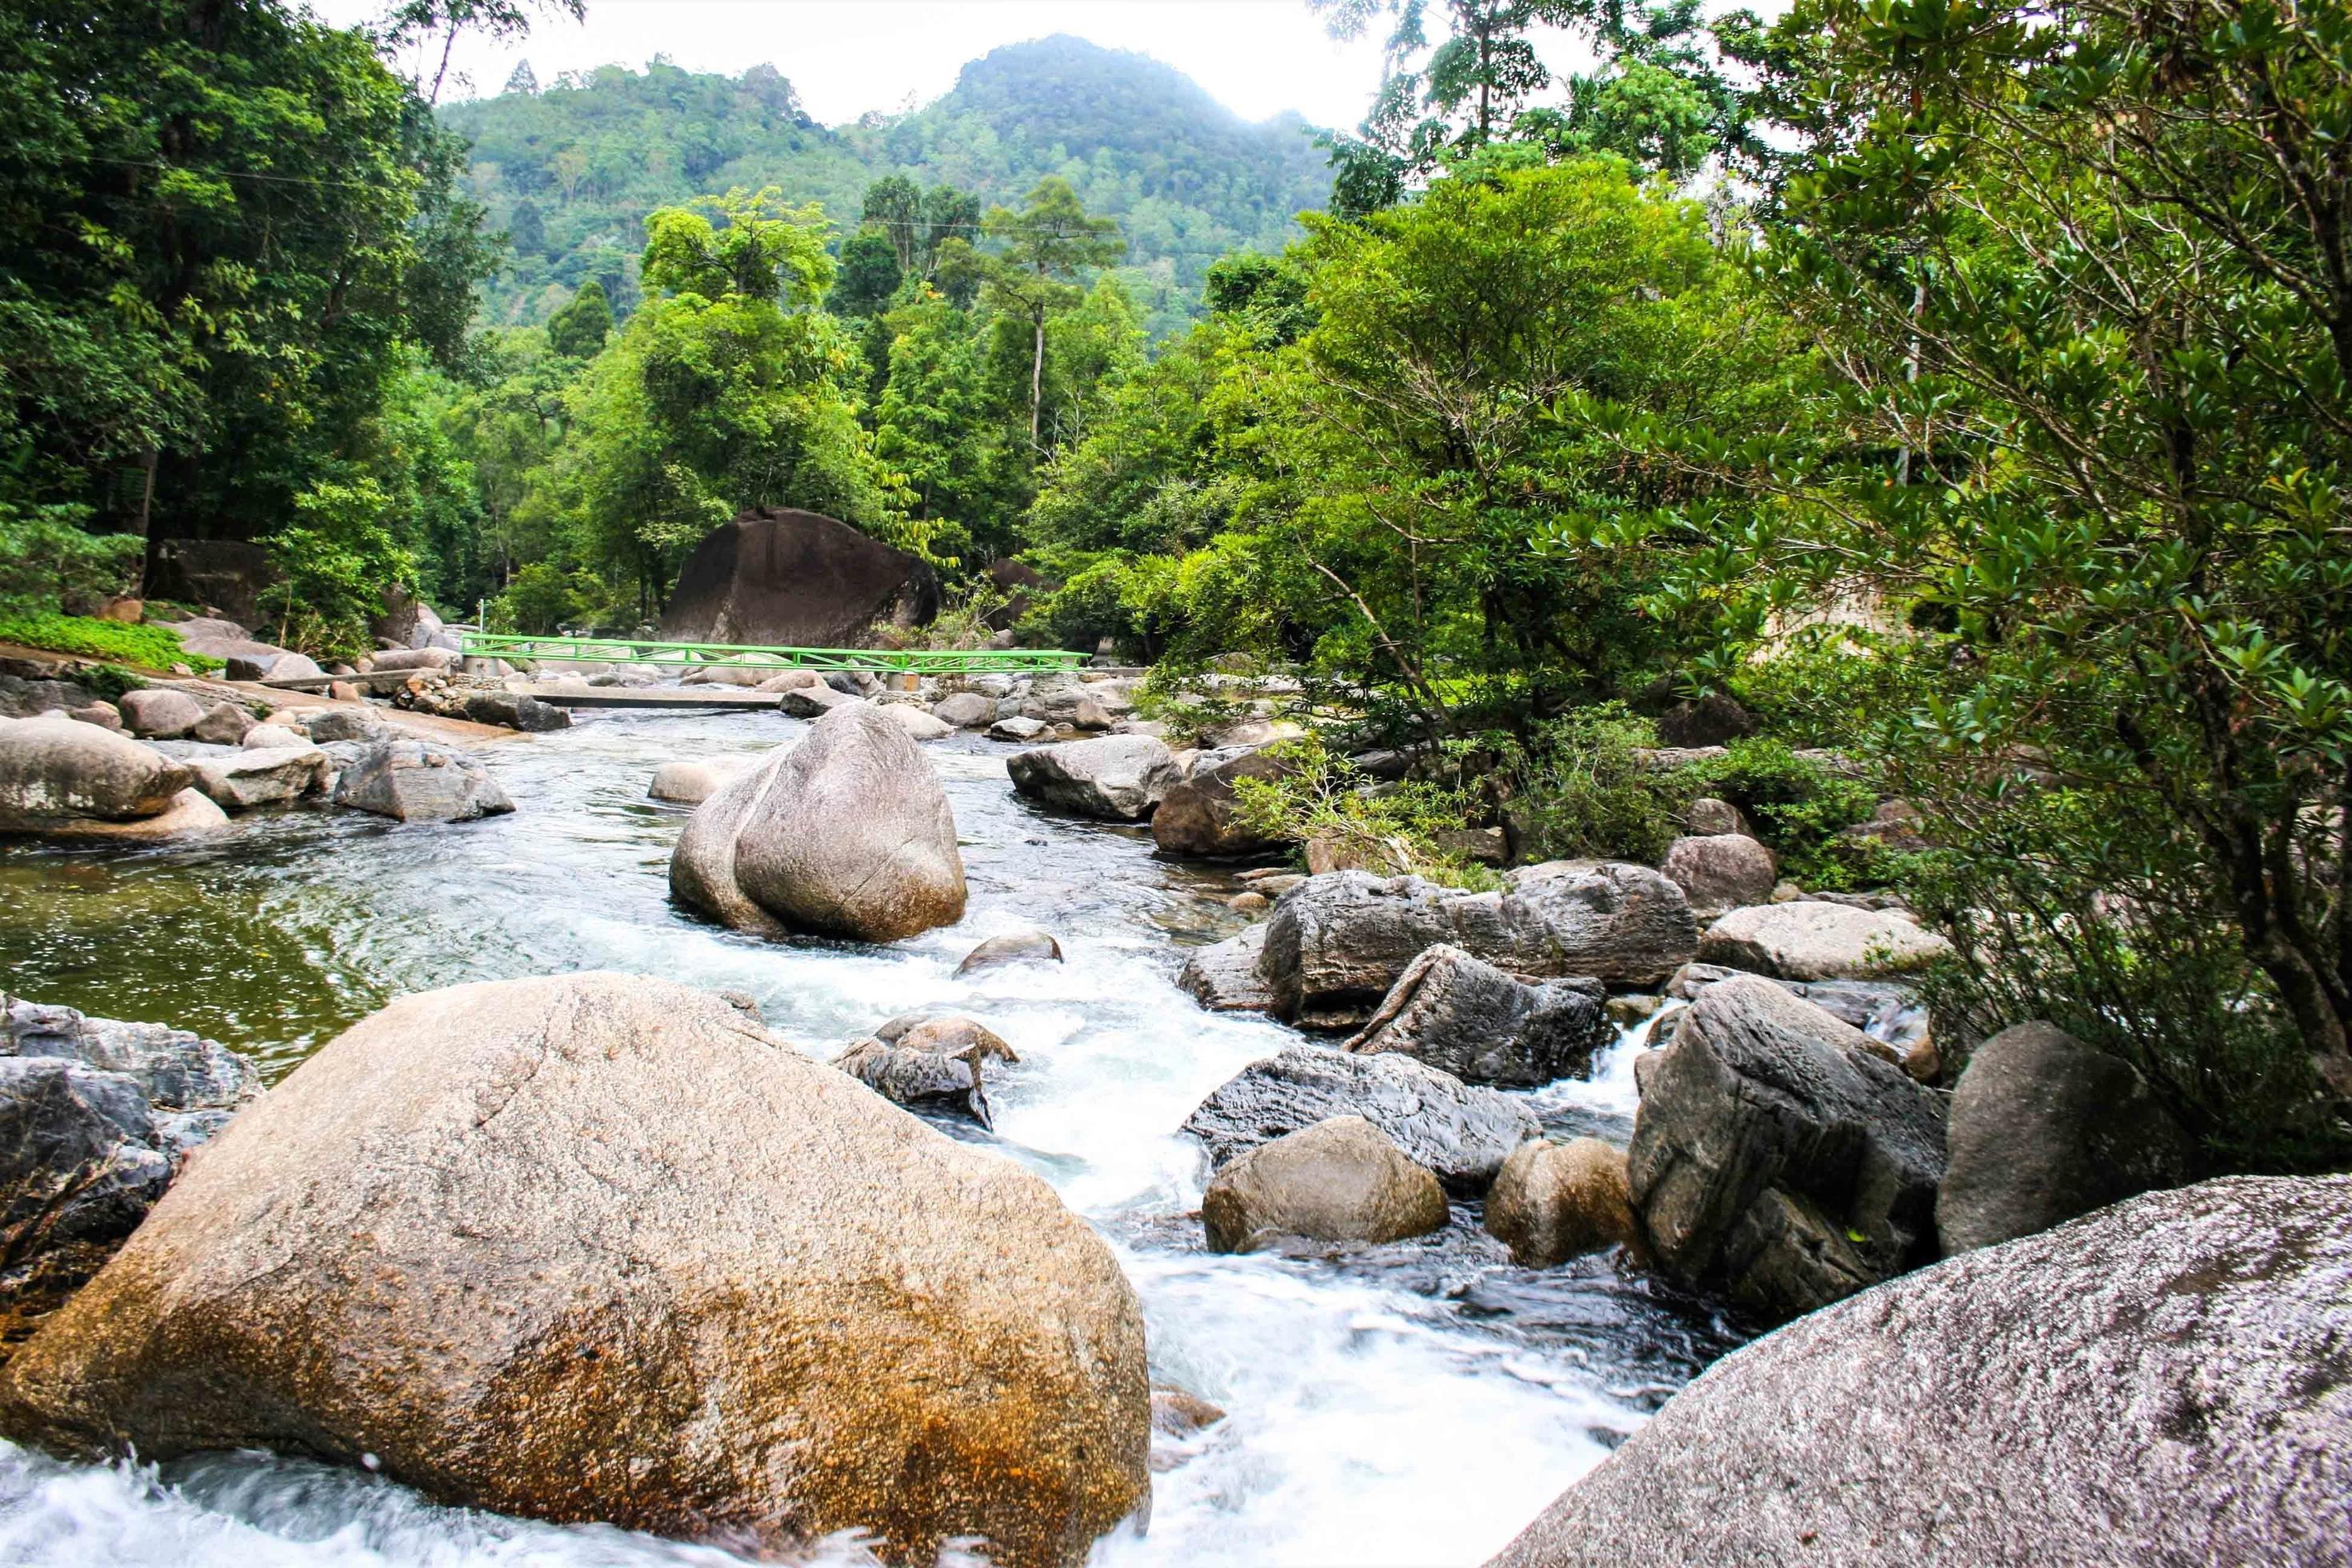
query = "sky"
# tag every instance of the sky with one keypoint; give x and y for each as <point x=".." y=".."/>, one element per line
<point x="849" y="57"/>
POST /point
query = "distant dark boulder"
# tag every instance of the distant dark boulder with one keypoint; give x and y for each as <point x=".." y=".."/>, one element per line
<point x="1020" y="585"/>
<point x="793" y="579"/>
<point x="227" y="574"/>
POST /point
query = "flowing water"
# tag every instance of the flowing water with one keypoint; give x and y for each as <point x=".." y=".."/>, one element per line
<point x="1412" y="1403"/>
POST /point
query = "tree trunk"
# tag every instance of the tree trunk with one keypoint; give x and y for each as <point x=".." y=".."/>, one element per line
<point x="1037" y="382"/>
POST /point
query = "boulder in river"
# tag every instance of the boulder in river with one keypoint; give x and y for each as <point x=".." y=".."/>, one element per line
<point x="784" y="578"/>
<point x="928" y="1064"/>
<point x="1721" y="871"/>
<point x="1340" y="1180"/>
<point x="1553" y="1202"/>
<point x="2042" y="1129"/>
<point x="2164" y="1382"/>
<point x="692" y="781"/>
<point x="919" y="725"/>
<point x="846" y="833"/>
<point x="419" y="780"/>
<point x="1225" y="975"/>
<point x="1119" y="778"/>
<point x="816" y="701"/>
<point x="55" y="771"/>
<point x="1810" y="939"/>
<point x="515" y="711"/>
<point x="224" y="724"/>
<point x="1463" y="1133"/>
<point x="1019" y="947"/>
<point x="189" y="814"/>
<point x="965" y="711"/>
<point x="1463" y="1015"/>
<point x="94" y="1118"/>
<point x="1199" y="817"/>
<point x="1778" y="1159"/>
<point x="275" y="735"/>
<point x="1888" y="1011"/>
<point x="1337" y="943"/>
<point x="159" y="712"/>
<point x="417" y="658"/>
<point x="598" y="1247"/>
<point x="327" y="725"/>
<point x="245" y="779"/>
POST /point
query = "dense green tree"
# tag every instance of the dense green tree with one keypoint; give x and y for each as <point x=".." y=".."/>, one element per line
<point x="870" y="275"/>
<point x="579" y="330"/>
<point x="1047" y="245"/>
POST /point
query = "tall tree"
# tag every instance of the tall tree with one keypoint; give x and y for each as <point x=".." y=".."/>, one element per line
<point x="433" y="26"/>
<point x="1047" y="245"/>
<point x="578" y="331"/>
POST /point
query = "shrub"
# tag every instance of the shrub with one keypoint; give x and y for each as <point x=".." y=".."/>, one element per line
<point x="1323" y="795"/>
<point x="1798" y="805"/>
<point x="154" y="646"/>
<point x="46" y="558"/>
<point x="1576" y="790"/>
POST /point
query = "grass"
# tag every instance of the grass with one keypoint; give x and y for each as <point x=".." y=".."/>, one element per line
<point x="156" y="647"/>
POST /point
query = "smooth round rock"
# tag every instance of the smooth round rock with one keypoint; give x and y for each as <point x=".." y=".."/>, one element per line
<point x="1340" y="1180"/>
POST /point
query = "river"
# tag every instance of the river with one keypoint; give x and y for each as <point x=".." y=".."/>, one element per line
<point x="1408" y="1404"/>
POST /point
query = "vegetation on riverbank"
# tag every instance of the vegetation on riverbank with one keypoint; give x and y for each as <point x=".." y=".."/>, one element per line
<point x="150" y="646"/>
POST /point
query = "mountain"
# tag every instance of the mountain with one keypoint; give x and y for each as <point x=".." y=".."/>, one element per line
<point x="571" y="171"/>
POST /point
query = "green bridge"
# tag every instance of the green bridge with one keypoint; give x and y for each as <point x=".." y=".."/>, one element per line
<point x="712" y="655"/>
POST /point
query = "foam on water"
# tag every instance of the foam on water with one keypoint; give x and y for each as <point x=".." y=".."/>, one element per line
<point x="1415" y="1404"/>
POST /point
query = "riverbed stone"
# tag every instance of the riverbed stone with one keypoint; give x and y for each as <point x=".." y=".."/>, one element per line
<point x="273" y="735"/>
<point x="1017" y="729"/>
<point x="1553" y="1202"/>
<point x="692" y="781"/>
<point x="790" y="680"/>
<point x="327" y="725"/>
<point x="1460" y="1013"/>
<point x="514" y="711"/>
<point x="1338" y="943"/>
<point x="928" y="1064"/>
<point x="599" y="1248"/>
<point x="1117" y="778"/>
<point x="1811" y="940"/>
<point x="965" y="711"/>
<point x="103" y="714"/>
<point x="846" y="833"/>
<point x="1892" y="1019"/>
<point x="919" y="725"/>
<point x="1342" y="1180"/>
<point x="1778" y="1159"/>
<point x="1720" y="871"/>
<point x="2044" y="1127"/>
<point x="1462" y="1133"/>
<point x="1017" y="947"/>
<point x="1225" y="977"/>
<point x="190" y="814"/>
<point x="55" y="770"/>
<point x="816" y="701"/>
<point x="420" y="781"/>
<point x="440" y="659"/>
<point x="246" y="779"/>
<point x="159" y="712"/>
<point x="224" y="724"/>
<point x="2164" y="1382"/>
<point x="1198" y="817"/>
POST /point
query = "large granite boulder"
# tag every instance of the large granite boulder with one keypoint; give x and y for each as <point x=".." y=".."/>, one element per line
<point x="1119" y="778"/>
<point x="1466" y="1017"/>
<point x="793" y="579"/>
<point x="2042" y="1129"/>
<point x="846" y="833"/>
<point x="95" y="1116"/>
<point x="598" y="1247"/>
<point x="1224" y="975"/>
<point x="1340" y="1180"/>
<point x="2165" y="1382"/>
<point x="1338" y="942"/>
<point x="1013" y="947"/>
<point x="245" y="779"/>
<point x="419" y="658"/>
<point x="1553" y="1202"/>
<point x="1198" y="817"/>
<point x="1721" y="871"/>
<point x="516" y="710"/>
<point x="56" y="771"/>
<point x="692" y="781"/>
<point x="159" y="712"/>
<point x="816" y="701"/>
<point x="1810" y="939"/>
<point x="1889" y="1013"/>
<point x="928" y="1064"/>
<point x="419" y="780"/>
<point x="965" y="711"/>
<point x="189" y="814"/>
<point x="1461" y="1132"/>
<point x="1778" y="1159"/>
<point x="224" y="724"/>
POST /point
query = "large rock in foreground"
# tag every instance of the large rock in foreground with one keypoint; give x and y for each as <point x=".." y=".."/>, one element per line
<point x="1119" y="778"/>
<point x="55" y="771"/>
<point x="846" y="833"/>
<point x="2042" y="1129"/>
<point x="597" y="1246"/>
<point x="1338" y="942"/>
<point x="1462" y="1133"/>
<point x="796" y="579"/>
<point x="2165" y="1382"/>
<point x="1779" y="1159"/>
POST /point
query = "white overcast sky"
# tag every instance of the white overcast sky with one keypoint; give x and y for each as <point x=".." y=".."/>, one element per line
<point x="848" y="57"/>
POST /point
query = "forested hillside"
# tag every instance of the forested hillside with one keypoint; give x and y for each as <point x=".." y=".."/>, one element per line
<point x="572" y="169"/>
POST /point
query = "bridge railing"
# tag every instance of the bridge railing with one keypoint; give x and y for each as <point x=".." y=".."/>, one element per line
<point x="708" y="656"/>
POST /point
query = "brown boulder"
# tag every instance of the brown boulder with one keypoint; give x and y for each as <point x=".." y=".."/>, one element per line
<point x="597" y="1246"/>
<point x="1340" y="1180"/>
<point x="793" y="579"/>
<point x="55" y="770"/>
<point x="1557" y="1201"/>
<point x="1198" y="817"/>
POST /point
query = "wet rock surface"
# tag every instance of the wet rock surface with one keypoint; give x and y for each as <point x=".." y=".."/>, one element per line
<point x="1342" y="1180"/>
<point x="1119" y="778"/>
<point x="928" y="1064"/>
<point x="1020" y="947"/>
<point x="1224" y="975"/>
<point x="1465" y="1016"/>
<point x="2164" y="1381"/>
<point x="1553" y="1202"/>
<point x="419" y="781"/>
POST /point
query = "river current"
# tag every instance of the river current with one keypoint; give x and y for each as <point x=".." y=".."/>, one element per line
<point x="1414" y="1404"/>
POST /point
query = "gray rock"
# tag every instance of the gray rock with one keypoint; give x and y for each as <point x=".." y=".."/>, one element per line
<point x="417" y="781"/>
<point x="273" y="736"/>
<point x="224" y="724"/>
<point x="1887" y="1012"/>
<point x="1017" y="729"/>
<point x="816" y="701"/>
<point x="1338" y="942"/>
<point x="1225" y="975"/>
<point x="249" y="778"/>
<point x="189" y="814"/>
<point x="1708" y="817"/>
<point x="327" y="725"/>
<point x="159" y="712"/>
<point x="690" y="782"/>
<point x="1462" y="1133"/>
<point x="1199" y="817"/>
<point x="1021" y="947"/>
<point x="846" y="833"/>
<point x="1557" y="1201"/>
<point x="1119" y="778"/>
<point x="928" y="1064"/>
<point x="22" y="698"/>
<point x="105" y="715"/>
<point x="514" y="711"/>
<point x="271" y="664"/>
<point x="919" y="725"/>
<point x="428" y="658"/>
<point x="1810" y="939"/>
<point x="56" y="771"/>
<point x="2042" y="1129"/>
<point x="1778" y="1159"/>
<point x="1471" y="1019"/>
<point x="1721" y="871"/>
<point x="790" y="680"/>
<point x="1342" y="1180"/>
<point x="965" y="711"/>
<point x="2165" y="1382"/>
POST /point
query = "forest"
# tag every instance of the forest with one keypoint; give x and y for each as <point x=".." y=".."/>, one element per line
<point x="1957" y="385"/>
